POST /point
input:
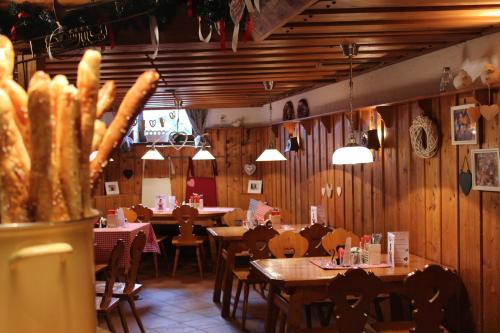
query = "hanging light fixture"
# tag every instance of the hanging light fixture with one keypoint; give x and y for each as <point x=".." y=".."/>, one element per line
<point x="352" y="153"/>
<point x="270" y="154"/>
<point x="153" y="154"/>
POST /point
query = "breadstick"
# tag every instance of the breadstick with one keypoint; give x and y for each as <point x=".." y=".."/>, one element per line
<point x="6" y="58"/>
<point x="68" y="127"/>
<point x="99" y="131"/>
<point x="19" y="99"/>
<point x="40" y="114"/>
<point x="132" y="104"/>
<point x="106" y="98"/>
<point x="14" y="166"/>
<point x="88" y="88"/>
<point x="60" y="211"/>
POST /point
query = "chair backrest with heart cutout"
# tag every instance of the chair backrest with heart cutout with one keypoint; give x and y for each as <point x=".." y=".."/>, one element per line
<point x="257" y="241"/>
<point x="288" y="244"/>
<point x="314" y="234"/>
<point x="185" y="215"/>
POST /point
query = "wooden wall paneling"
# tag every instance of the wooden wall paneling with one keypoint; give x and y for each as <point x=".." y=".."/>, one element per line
<point x="470" y="241"/>
<point x="318" y="152"/>
<point x="367" y="182"/>
<point x="348" y="182"/>
<point x="307" y="174"/>
<point x="285" y="194"/>
<point x="404" y="151"/>
<point x="449" y="187"/>
<point x="390" y="174"/>
<point x="417" y="196"/>
<point x="338" y="171"/>
<point x="248" y="154"/>
<point x="433" y="197"/>
<point x="330" y="170"/>
<point x="218" y="141"/>
<point x="378" y="181"/>
<point x="293" y="180"/>
<point x="325" y="178"/>
<point x="234" y="168"/>
<point x="491" y="240"/>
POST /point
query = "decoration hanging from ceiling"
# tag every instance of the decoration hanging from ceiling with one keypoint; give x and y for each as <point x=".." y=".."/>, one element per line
<point x="424" y="137"/>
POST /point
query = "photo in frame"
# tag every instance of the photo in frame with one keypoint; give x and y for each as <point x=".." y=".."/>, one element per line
<point x="112" y="188"/>
<point x="255" y="186"/>
<point x="464" y="130"/>
<point x="485" y="169"/>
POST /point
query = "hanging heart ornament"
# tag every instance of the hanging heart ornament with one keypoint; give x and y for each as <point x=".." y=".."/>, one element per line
<point x="489" y="111"/>
<point x="236" y="9"/>
<point x="178" y="140"/>
<point x="250" y="169"/>
<point x="465" y="177"/>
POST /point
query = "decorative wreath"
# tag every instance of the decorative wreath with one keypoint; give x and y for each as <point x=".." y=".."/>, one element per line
<point x="424" y="137"/>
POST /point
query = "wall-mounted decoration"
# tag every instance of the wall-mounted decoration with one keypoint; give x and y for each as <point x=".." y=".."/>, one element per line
<point x="485" y="169"/>
<point x="489" y="111"/>
<point x="112" y="188"/>
<point x="254" y="186"/>
<point x="302" y="108"/>
<point x="128" y="173"/>
<point x="464" y="131"/>
<point x="339" y="191"/>
<point x="327" y="191"/>
<point x="474" y="113"/>
<point x="465" y="177"/>
<point x="424" y="137"/>
<point x="490" y="74"/>
<point x="462" y="80"/>
<point x="288" y="111"/>
<point x="249" y="169"/>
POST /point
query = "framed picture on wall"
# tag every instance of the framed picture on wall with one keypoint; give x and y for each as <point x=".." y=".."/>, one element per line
<point x="485" y="169"/>
<point x="112" y="188"/>
<point x="464" y="131"/>
<point x="255" y="186"/>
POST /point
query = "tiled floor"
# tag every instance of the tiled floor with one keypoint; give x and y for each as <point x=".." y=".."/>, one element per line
<point x="184" y="303"/>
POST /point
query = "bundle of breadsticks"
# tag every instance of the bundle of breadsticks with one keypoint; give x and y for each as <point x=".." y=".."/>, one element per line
<point x="48" y="133"/>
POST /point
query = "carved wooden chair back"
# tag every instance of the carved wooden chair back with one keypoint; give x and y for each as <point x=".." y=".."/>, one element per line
<point x="236" y="215"/>
<point x="430" y="291"/>
<point x="288" y="244"/>
<point x="314" y="234"/>
<point x="129" y="214"/>
<point x="335" y="239"/>
<point x="114" y="267"/>
<point x="185" y="216"/>
<point x="135" y="260"/>
<point x="144" y="214"/>
<point x="257" y="241"/>
<point x="360" y="287"/>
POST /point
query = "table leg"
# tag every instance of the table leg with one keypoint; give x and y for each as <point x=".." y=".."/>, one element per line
<point x="294" y="311"/>
<point x="227" y="291"/>
<point x="219" y="273"/>
<point x="272" y="310"/>
<point x="213" y="250"/>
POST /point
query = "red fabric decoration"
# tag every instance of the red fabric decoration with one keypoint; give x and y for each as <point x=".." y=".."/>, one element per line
<point x="13" y="33"/>
<point x="248" y="29"/>
<point x="222" y="33"/>
<point x="202" y="185"/>
<point x="111" y="34"/>
<point x="261" y="211"/>
<point x="22" y="15"/>
<point x="190" y="7"/>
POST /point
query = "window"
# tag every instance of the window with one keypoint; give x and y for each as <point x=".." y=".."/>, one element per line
<point x="158" y="124"/>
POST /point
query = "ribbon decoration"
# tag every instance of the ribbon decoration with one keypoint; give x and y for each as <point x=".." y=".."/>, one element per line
<point x="222" y="34"/>
<point x="248" y="30"/>
<point x="155" y="35"/>
<point x="112" y="41"/>
<point x="190" y="8"/>
<point x="249" y="5"/>
<point x="236" y="9"/>
<point x="200" y="34"/>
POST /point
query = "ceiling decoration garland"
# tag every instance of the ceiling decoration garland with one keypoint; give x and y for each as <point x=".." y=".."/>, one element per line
<point x="34" y="23"/>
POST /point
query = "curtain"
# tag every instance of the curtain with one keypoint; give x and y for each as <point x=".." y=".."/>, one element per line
<point x="198" y="118"/>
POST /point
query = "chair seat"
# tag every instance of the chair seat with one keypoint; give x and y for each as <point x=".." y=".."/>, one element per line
<point x="114" y="302"/>
<point x="396" y="327"/>
<point x="196" y="241"/>
<point x="100" y="267"/>
<point x="118" y="288"/>
<point x="241" y="273"/>
<point x="161" y="238"/>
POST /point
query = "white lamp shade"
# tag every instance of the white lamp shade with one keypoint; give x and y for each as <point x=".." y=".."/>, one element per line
<point x="270" y="155"/>
<point x="153" y="154"/>
<point x="203" y="155"/>
<point x="353" y="154"/>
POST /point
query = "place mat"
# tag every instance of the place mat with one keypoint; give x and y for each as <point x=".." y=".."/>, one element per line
<point x="327" y="263"/>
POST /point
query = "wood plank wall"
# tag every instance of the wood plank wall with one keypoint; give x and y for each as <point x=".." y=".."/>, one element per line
<point x="398" y="192"/>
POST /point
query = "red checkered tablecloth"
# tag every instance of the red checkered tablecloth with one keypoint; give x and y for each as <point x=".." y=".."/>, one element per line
<point x="106" y="238"/>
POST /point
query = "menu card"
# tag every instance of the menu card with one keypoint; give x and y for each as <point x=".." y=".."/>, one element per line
<point x="161" y="202"/>
<point x="398" y="248"/>
<point x="314" y="214"/>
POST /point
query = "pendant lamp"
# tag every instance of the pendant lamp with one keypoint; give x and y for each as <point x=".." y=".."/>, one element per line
<point x="153" y="154"/>
<point x="270" y="154"/>
<point x="203" y="155"/>
<point x="352" y="153"/>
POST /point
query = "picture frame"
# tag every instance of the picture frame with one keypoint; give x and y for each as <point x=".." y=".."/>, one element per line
<point x="464" y="130"/>
<point x="485" y="169"/>
<point x="112" y="188"/>
<point x="254" y="186"/>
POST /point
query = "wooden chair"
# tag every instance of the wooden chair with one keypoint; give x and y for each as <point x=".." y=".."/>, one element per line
<point x="314" y="234"/>
<point x="145" y="214"/>
<point x="128" y="290"/>
<point x="288" y="244"/>
<point x="130" y="215"/>
<point x="236" y="215"/>
<point x="335" y="239"/>
<point x="257" y="242"/>
<point x="185" y="216"/>
<point x="106" y="303"/>
<point x="430" y="291"/>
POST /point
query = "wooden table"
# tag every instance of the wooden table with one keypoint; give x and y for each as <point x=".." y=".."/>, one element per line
<point x="225" y="236"/>
<point x="307" y="283"/>
<point x="206" y="213"/>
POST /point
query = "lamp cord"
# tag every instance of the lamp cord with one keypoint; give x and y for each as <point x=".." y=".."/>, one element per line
<point x="351" y="86"/>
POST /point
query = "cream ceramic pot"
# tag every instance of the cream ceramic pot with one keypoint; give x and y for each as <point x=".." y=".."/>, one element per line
<point x="47" y="278"/>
